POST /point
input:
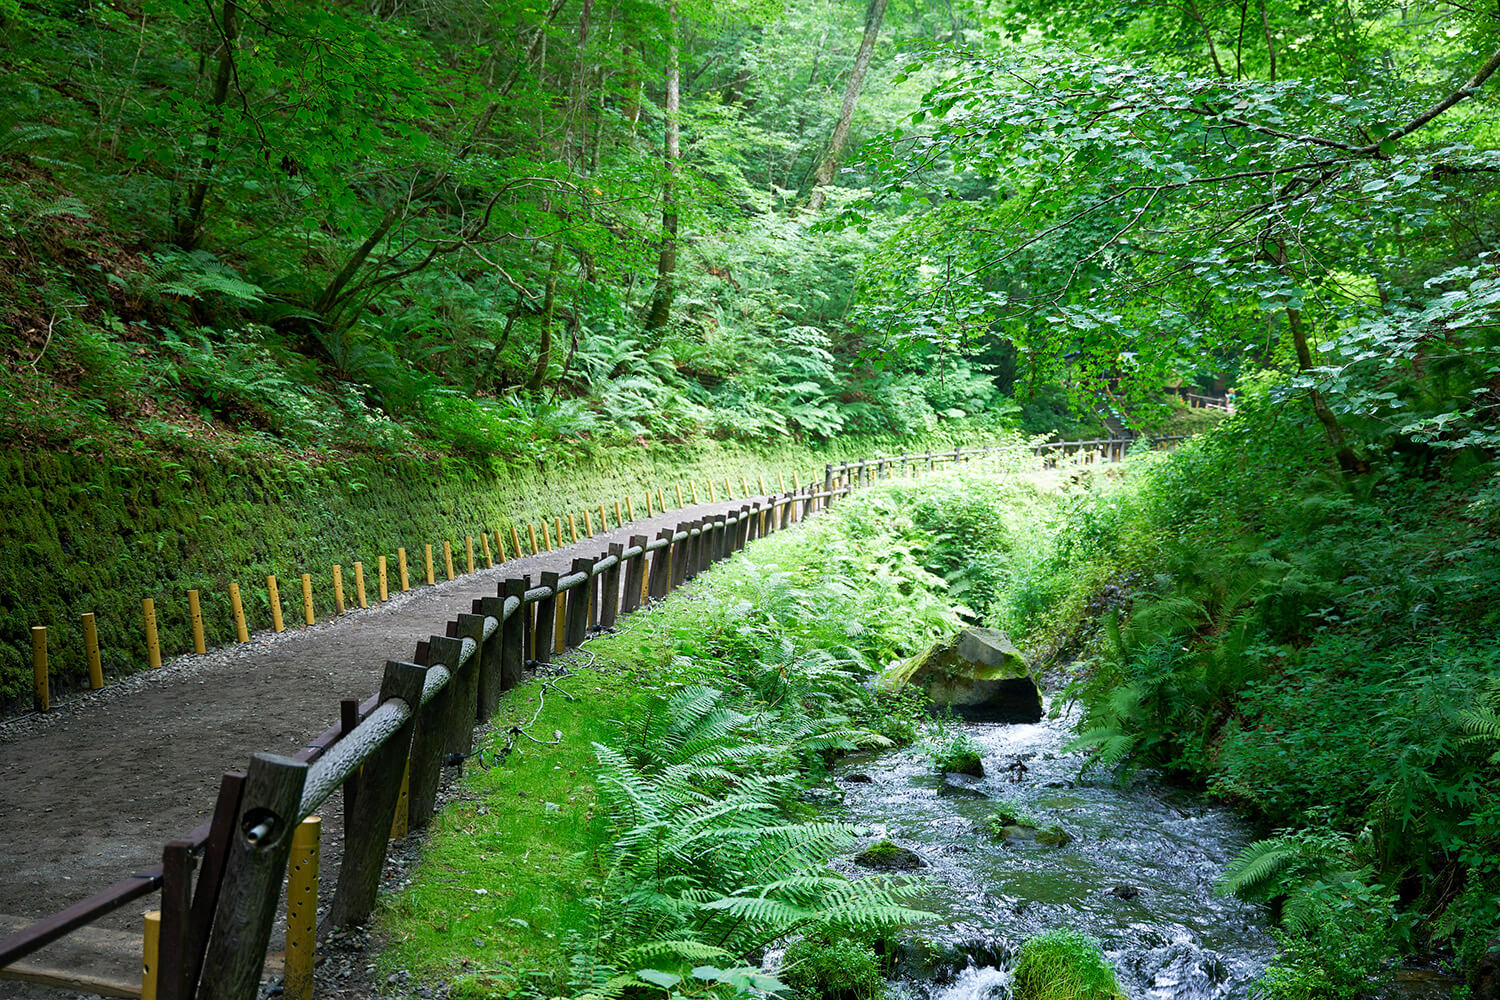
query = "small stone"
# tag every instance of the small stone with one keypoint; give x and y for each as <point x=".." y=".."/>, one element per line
<point x="857" y="779"/>
<point x="890" y="857"/>
<point x="1125" y="891"/>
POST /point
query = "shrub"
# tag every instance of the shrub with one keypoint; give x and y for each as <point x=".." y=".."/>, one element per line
<point x="1007" y="813"/>
<point x="833" y="970"/>
<point x="1063" y="964"/>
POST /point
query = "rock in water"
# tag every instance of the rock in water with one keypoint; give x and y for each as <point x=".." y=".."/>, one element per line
<point x="888" y="857"/>
<point x="979" y="674"/>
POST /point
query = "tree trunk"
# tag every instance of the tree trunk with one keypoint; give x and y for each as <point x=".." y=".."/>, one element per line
<point x="874" y="14"/>
<point x="486" y="377"/>
<point x="1347" y="459"/>
<point x="189" y="225"/>
<point x="549" y="299"/>
<point x="666" y="263"/>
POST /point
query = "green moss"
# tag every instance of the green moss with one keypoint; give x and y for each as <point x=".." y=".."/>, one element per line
<point x="960" y="762"/>
<point x="91" y="533"/>
<point x="1007" y="813"/>
<point x="1063" y="964"/>
<point x="833" y="970"/>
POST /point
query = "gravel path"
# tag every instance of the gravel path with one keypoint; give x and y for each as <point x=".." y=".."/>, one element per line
<point x="91" y="791"/>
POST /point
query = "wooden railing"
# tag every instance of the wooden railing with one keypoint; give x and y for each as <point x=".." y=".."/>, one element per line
<point x="221" y="882"/>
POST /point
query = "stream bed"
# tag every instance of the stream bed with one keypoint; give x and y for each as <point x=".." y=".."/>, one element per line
<point x="1138" y="873"/>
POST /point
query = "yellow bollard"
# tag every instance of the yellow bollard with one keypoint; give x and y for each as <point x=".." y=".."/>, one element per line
<point x="603" y="521"/>
<point x="469" y="553"/>
<point x="195" y="615"/>
<point x="794" y="480"/>
<point x="489" y="560"/>
<point x="500" y="556"/>
<point x="572" y="528"/>
<point x="239" y="613"/>
<point x="629" y="509"/>
<point x="385" y="590"/>
<point x="678" y="488"/>
<point x="91" y="650"/>
<point x="448" y="558"/>
<point x="150" y="945"/>
<point x="531" y="530"/>
<point x="744" y="486"/>
<point x="648" y="503"/>
<point x="515" y="538"/>
<point x="274" y="595"/>
<point x="401" y="570"/>
<point x="780" y="483"/>
<point x="728" y="493"/>
<point x="588" y="524"/>
<point x="546" y="538"/>
<point x="710" y="491"/>
<point x="302" y="910"/>
<point x="559" y="533"/>
<point x="403" y="805"/>
<point x="762" y="481"/>
<point x="153" y="647"/>
<point x="427" y="554"/>
<point x="338" y="588"/>
<point x="692" y="492"/>
<point x="359" y="583"/>
<point x="661" y="500"/>
<point x="307" y="605"/>
<point x="619" y="521"/>
<point x="40" y="698"/>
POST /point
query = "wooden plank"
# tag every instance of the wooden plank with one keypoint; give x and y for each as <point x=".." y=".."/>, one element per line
<point x="92" y="960"/>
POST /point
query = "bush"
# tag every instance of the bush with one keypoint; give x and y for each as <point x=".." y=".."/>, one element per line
<point x="1007" y="813"/>
<point x="1063" y="965"/>
<point x="833" y="970"/>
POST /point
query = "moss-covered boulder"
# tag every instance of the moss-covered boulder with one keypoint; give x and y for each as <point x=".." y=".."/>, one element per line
<point x="887" y="856"/>
<point x="979" y="674"/>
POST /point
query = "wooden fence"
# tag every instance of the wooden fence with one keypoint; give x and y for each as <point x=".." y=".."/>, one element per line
<point x="220" y="884"/>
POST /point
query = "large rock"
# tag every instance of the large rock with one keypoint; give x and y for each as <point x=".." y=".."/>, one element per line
<point x="980" y="674"/>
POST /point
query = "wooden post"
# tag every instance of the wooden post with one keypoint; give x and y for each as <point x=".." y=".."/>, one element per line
<point x="359" y="583"/>
<point x="377" y="789"/>
<point x="258" y="849"/>
<point x="744" y="486"/>
<point x="338" y="589"/>
<point x="711" y="491"/>
<point x="470" y="680"/>
<point x="427" y="556"/>
<point x="437" y="723"/>
<point x="794" y="480"/>
<point x="692" y="492"/>
<point x="273" y="596"/>
<point x="175" y="948"/>
<point x="648" y="502"/>
<point x="588" y="524"/>
<point x="513" y="635"/>
<point x="559" y="532"/>
<point x="302" y="910"/>
<point x="401" y="818"/>
<point x="489" y="559"/>
<point x="195" y="617"/>
<point x="492" y="657"/>
<point x="619" y="521"/>
<point x="635" y="572"/>
<point x="677" y="487"/>
<point x="661" y="580"/>
<point x="40" y="681"/>
<point x="500" y="556"/>
<point x="728" y="493"/>
<point x="780" y="482"/>
<point x="680" y="551"/>
<point x="629" y="507"/>
<point x="307" y="604"/>
<point x="572" y="528"/>
<point x="661" y="500"/>
<point x="150" y="947"/>
<point x="578" y="605"/>
<point x="91" y="651"/>
<point x="468" y="554"/>
<point x="153" y="646"/>
<point x="609" y="589"/>
<point x="238" y="610"/>
<point x="546" y="614"/>
<point x="348" y="721"/>
<point x="560" y="626"/>
<point x="515" y="541"/>
<point x="448" y="559"/>
<point x="384" y="578"/>
<point x="531" y="530"/>
<point x="401" y="570"/>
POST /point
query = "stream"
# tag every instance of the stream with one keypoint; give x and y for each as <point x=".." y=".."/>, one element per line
<point x="1138" y="874"/>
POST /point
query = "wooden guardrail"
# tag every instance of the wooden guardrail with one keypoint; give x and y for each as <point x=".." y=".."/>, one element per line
<point x="221" y="882"/>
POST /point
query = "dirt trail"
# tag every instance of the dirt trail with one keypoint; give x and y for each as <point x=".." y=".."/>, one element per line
<point x="91" y="791"/>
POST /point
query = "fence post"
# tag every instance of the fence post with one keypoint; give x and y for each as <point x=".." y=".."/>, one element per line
<point x="546" y="614"/>
<point x="609" y="589"/>
<point x="492" y="662"/>
<point x="153" y="644"/>
<point x="377" y="789"/>
<point x="513" y="642"/>
<point x="174" y="943"/>
<point x="742" y="528"/>
<point x="634" y="573"/>
<point x="431" y="737"/>
<point x="660" y="581"/>
<point x="578" y="604"/>
<point x="91" y="651"/>
<point x="258" y="849"/>
<point x="681" y="553"/>
<point x="474" y="675"/>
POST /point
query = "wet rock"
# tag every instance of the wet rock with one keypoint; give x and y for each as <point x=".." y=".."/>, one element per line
<point x="933" y="960"/>
<point x="888" y="857"/>
<point x="1125" y="891"/>
<point x="966" y="763"/>
<point x="1054" y="836"/>
<point x="1485" y="978"/>
<point x="959" y="786"/>
<point x="979" y="674"/>
<point x="1023" y="833"/>
<point x="857" y="779"/>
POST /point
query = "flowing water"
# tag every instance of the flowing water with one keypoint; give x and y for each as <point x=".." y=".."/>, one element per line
<point x="1138" y="873"/>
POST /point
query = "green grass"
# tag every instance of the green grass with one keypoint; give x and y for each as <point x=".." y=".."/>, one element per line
<point x="1063" y="964"/>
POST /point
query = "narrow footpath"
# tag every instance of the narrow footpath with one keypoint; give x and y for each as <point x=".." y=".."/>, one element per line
<point x="91" y="791"/>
